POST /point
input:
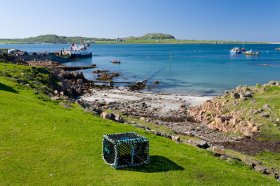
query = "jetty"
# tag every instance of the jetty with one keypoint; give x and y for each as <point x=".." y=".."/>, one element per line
<point x="61" y="56"/>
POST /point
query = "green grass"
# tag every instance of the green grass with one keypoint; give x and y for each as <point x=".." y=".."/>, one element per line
<point x="270" y="127"/>
<point x="270" y="96"/>
<point x="269" y="159"/>
<point x="43" y="143"/>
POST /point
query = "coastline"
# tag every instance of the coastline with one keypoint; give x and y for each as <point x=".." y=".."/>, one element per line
<point x="162" y="102"/>
<point x="167" y="110"/>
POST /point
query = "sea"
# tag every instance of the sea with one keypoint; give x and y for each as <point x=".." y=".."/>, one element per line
<point x="183" y="69"/>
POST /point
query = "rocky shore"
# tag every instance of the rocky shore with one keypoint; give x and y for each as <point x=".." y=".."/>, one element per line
<point x="216" y="114"/>
<point x="219" y="120"/>
<point x="166" y="110"/>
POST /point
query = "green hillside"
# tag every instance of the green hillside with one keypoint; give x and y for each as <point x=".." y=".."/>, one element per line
<point x="49" y="38"/>
<point x="56" y="39"/>
<point x="45" y="142"/>
<point x="45" y="39"/>
<point x="157" y="36"/>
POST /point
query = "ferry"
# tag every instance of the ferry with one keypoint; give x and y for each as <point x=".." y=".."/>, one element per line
<point x="78" y="51"/>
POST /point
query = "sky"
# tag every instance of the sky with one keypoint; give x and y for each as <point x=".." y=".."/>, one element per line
<point x="243" y="20"/>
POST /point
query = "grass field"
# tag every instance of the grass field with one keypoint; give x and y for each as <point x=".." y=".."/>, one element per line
<point x="44" y="143"/>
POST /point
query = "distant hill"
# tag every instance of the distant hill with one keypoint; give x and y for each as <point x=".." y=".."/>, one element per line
<point x="152" y="36"/>
<point x="49" y="38"/>
<point x="46" y="39"/>
<point x="157" y="36"/>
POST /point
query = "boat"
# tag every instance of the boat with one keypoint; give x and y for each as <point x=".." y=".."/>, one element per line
<point x="235" y="50"/>
<point x="277" y="48"/>
<point x="77" y="51"/>
<point x="252" y="53"/>
<point x="116" y="61"/>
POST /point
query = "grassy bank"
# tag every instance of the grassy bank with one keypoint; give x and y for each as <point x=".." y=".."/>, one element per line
<point x="260" y="108"/>
<point x="45" y="142"/>
<point x="254" y="109"/>
<point x="270" y="126"/>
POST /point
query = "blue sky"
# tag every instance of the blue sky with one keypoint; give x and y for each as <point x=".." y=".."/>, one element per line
<point x="250" y="20"/>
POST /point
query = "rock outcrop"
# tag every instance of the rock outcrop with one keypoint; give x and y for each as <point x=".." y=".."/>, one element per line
<point x="222" y="113"/>
<point x="138" y="86"/>
<point x="71" y="84"/>
<point x="106" y="76"/>
<point x="237" y="111"/>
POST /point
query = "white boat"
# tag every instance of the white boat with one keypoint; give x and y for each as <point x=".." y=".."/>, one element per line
<point x="235" y="50"/>
<point x="115" y="61"/>
<point x="252" y="53"/>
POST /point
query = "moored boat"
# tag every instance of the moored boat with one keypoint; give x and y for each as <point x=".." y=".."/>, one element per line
<point x="235" y="50"/>
<point x="252" y="53"/>
<point x="116" y="61"/>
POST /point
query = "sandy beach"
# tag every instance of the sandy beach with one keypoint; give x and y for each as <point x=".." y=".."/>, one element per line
<point x="162" y="103"/>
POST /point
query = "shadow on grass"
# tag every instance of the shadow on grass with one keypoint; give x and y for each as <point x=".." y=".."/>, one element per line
<point x="7" y="88"/>
<point x="157" y="164"/>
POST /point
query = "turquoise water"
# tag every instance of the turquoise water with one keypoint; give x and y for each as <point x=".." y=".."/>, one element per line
<point x="189" y="70"/>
